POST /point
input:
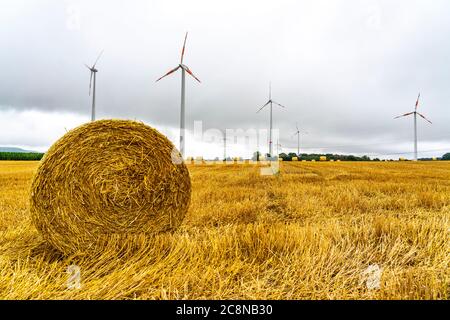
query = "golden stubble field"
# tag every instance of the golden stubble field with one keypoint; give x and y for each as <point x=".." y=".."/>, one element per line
<point x="311" y="232"/>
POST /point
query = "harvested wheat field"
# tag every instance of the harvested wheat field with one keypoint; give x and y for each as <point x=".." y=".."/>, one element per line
<point x="315" y="231"/>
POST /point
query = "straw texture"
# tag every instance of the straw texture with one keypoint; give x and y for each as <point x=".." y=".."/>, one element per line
<point x="108" y="179"/>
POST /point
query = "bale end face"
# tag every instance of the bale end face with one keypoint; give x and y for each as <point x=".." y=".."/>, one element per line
<point x="108" y="179"/>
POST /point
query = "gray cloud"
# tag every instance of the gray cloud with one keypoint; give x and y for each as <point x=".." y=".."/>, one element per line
<point x="343" y="68"/>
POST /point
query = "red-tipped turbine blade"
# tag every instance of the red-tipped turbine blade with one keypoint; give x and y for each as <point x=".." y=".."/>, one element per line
<point x="424" y="117"/>
<point x="190" y="72"/>
<point x="171" y="71"/>
<point x="278" y="104"/>
<point x="184" y="47"/>
<point x="263" y="106"/>
<point x="417" y="102"/>
<point x="98" y="58"/>
<point x="404" y="115"/>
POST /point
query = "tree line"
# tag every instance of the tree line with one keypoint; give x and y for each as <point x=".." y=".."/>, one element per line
<point x="23" y="156"/>
<point x="335" y="157"/>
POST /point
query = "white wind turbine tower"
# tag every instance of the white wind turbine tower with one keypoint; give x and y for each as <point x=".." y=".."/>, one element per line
<point x="415" y="113"/>
<point x="297" y="133"/>
<point x="225" y="146"/>
<point x="94" y="76"/>
<point x="184" y="68"/>
<point x="270" y="103"/>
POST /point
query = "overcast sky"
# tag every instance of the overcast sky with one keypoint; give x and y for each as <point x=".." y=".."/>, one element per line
<point x="343" y="68"/>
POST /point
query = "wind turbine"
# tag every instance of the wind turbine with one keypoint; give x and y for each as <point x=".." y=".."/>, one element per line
<point x="225" y="146"/>
<point x="415" y="113"/>
<point x="298" y="138"/>
<point x="270" y="103"/>
<point x="184" y="68"/>
<point x="93" y="75"/>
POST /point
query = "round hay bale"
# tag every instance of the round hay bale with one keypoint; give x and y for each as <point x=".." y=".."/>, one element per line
<point x="108" y="179"/>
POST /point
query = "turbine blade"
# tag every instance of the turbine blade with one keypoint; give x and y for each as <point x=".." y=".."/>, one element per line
<point x="404" y="115"/>
<point x="90" y="83"/>
<point x="98" y="58"/>
<point x="184" y="47"/>
<point x="263" y="107"/>
<point x="190" y="72"/>
<point x="296" y="125"/>
<point x="171" y="71"/>
<point x="278" y="104"/>
<point x="417" y="102"/>
<point x="88" y="67"/>
<point x="424" y="117"/>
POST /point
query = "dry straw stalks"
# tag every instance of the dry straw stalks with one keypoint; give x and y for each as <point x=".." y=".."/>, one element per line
<point x="107" y="182"/>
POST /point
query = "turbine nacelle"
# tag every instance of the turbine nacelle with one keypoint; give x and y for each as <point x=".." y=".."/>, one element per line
<point x="181" y="65"/>
<point x="93" y="70"/>
<point x="414" y="112"/>
<point x="298" y="132"/>
<point x="270" y="102"/>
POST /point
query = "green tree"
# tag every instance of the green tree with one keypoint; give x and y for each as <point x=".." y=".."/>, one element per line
<point x="446" y="156"/>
